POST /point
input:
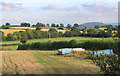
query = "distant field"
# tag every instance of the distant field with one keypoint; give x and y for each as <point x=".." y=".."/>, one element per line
<point x="22" y="28"/>
<point x="44" y="62"/>
<point x="14" y="29"/>
<point x="6" y="31"/>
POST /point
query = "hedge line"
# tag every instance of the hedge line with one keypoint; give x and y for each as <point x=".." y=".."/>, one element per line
<point x="91" y="45"/>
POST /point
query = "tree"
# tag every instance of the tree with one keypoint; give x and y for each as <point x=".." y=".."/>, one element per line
<point x="29" y="34"/>
<point x="52" y="30"/>
<point x="10" y="37"/>
<point x="40" y="24"/>
<point x="68" y="26"/>
<point x="53" y="33"/>
<point x="92" y="32"/>
<point x="97" y="27"/>
<point x="23" y="40"/>
<point x="5" y="27"/>
<point x="7" y="24"/>
<point x="60" y="34"/>
<point x="67" y="34"/>
<point x="61" y="25"/>
<point x="17" y="34"/>
<point x="25" y="24"/>
<point x="2" y="38"/>
<point x="57" y="25"/>
<point x="38" y="28"/>
<point x="33" y="25"/>
<point x="75" y="25"/>
<point x="119" y="31"/>
<point x="52" y="25"/>
<point x="109" y="27"/>
<point x="47" y="25"/>
<point x="75" y="32"/>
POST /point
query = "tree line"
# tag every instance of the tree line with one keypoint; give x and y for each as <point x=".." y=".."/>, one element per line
<point x="53" y="33"/>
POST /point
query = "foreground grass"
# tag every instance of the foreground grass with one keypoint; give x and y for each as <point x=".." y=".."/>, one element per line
<point x="44" y="62"/>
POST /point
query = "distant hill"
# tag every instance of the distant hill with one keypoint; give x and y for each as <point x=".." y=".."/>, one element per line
<point x="92" y="24"/>
<point x="112" y="23"/>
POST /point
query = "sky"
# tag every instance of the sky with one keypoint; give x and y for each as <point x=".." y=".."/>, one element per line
<point x="58" y="11"/>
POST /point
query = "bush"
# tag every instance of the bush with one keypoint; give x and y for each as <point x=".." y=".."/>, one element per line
<point x="23" y="40"/>
<point x="109" y="64"/>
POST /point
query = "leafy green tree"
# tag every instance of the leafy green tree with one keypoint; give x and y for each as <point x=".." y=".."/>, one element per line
<point x="53" y="33"/>
<point x="75" y="32"/>
<point x="2" y="37"/>
<point x="119" y="31"/>
<point x="17" y="34"/>
<point x="67" y="34"/>
<point x="7" y="24"/>
<point x="75" y="25"/>
<point x="57" y="25"/>
<point x="97" y="27"/>
<point x="40" y="24"/>
<point x="48" y="25"/>
<point x="10" y="37"/>
<point x="60" y="34"/>
<point x="92" y="32"/>
<point x="25" y="24"/>
<point x="5" y="27"/>
<point x="61" y="25"/>
<point x="52" y="25"/>
<point x="23" y="40"/>
<point x="69" y="26"/>
<point x="109" y="27"/>
<point x="38" y="28"/>
<point x="52" y="30"/>
<point x="29" y="34"/>
<point x="33" y="25"/>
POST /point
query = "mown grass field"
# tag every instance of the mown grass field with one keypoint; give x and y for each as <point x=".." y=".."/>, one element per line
<point x="44" y="62"/>
<point x="12" y="45"/>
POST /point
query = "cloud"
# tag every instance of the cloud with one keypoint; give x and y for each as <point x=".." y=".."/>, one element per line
<point x="99" y="8"/>
<point x="12" y="6"/>
<point x="55" y="7"/>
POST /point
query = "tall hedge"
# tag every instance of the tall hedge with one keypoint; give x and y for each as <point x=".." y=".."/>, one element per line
<point x="91" y="45"/>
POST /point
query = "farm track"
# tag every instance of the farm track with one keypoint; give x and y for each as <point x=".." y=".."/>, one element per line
<point x="43" y="62"/>
<point x="57" y="66"/>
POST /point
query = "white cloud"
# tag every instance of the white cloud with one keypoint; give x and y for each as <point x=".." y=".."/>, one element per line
<point x="99" y="8"/>
<point x="12" y="6"/>
<point x="55" y="7"/>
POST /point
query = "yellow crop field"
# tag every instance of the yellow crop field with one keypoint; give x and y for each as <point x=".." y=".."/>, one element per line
<point x="6" y="31"/>
<point x="23" y="28"/>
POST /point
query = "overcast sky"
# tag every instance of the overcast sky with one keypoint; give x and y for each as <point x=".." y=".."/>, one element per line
<point x="59" y="11"/>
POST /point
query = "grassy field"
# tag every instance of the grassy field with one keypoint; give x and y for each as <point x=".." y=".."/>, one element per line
<point x="12" y="46"/>
<point x="45" y="62"/>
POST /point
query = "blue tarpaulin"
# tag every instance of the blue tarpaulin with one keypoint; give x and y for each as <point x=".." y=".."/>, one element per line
<point x="103" y="52"/>
<point x="65" y="51"/>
